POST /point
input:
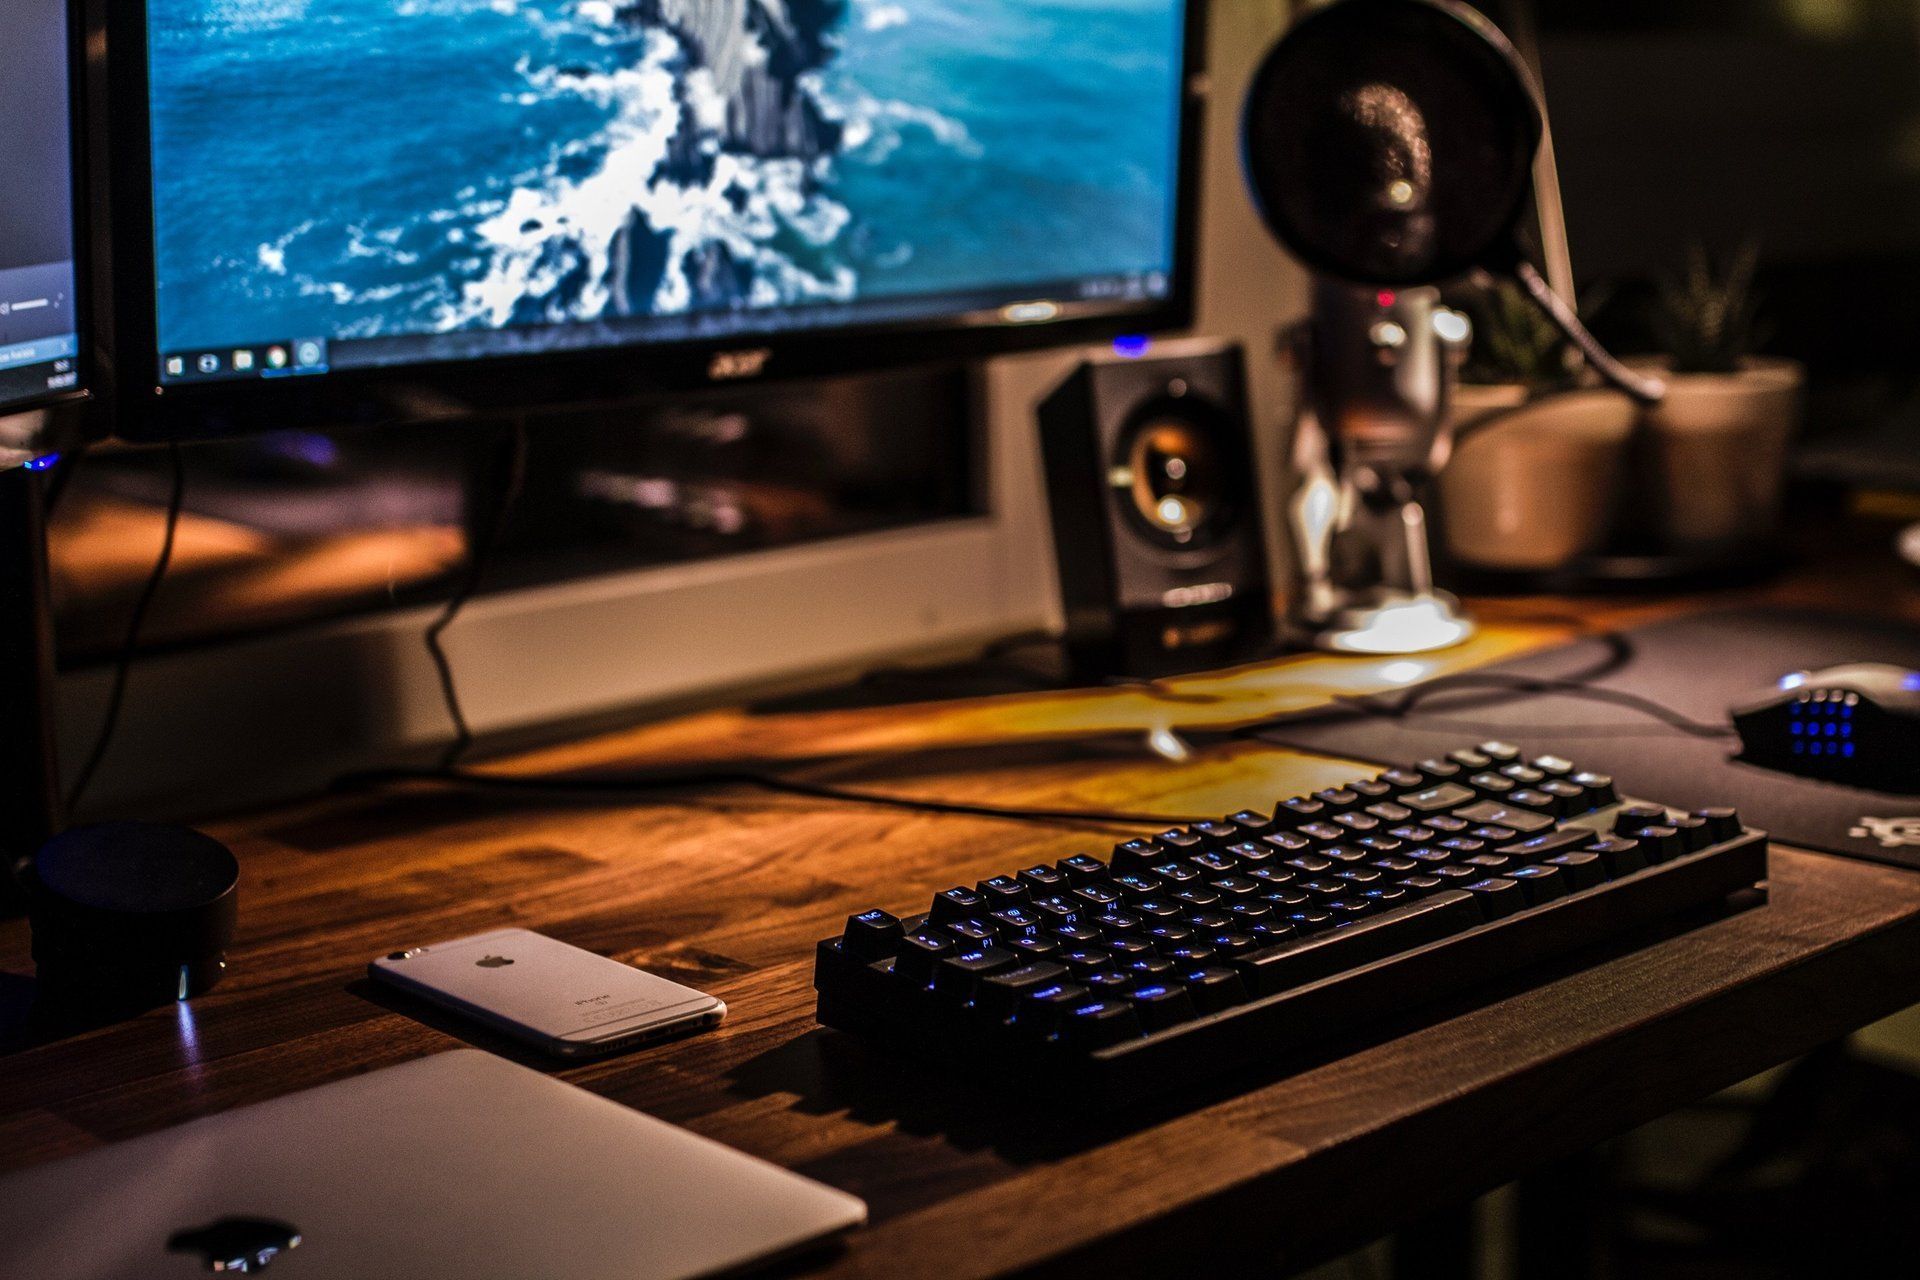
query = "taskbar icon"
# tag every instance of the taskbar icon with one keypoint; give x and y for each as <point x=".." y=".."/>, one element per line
<point x="270" y="360"/>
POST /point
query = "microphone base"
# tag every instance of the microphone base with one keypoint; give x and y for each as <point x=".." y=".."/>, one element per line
<point x="1386" y="624"/>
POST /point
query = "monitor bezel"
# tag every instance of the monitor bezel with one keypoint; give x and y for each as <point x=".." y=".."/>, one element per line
<point x="490" y="386"/>
<point x="78" y="397"/>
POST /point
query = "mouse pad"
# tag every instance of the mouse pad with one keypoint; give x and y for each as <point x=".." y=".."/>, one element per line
<point x="1698" y="666"/>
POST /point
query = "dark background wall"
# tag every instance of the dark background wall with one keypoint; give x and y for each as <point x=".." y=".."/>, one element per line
<point x="1791" y="124"/>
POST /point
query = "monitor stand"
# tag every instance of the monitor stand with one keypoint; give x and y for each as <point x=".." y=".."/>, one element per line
<point x="30" y="803"/>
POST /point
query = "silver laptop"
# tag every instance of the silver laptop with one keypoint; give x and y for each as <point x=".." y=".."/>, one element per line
<point x="462" y="1166"/>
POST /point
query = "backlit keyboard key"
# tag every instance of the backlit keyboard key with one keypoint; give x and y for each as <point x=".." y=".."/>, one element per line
<point x="1498" y="896"/>
<point x="1583" y="870"/>
<point x="1214" y="988"/>
<point x="873" y="935"/>
<point x="1000" y="995"/>
<point x="1540" y="883"/>
<point x="1620" y="857"/>
<point x="1292" y="964"/>
<point x="1489" y="813"/>
<point x="1161" y="1005"/>
<point x="1042" y="881"/>
<point x="1546" y="844"/>
<point x="1099" y="1025"/>
<point x="957" y="975"/>
<point x="957" y="903"/>
<point x="1081" y="869"/>
<point x="919" y="952"/>
<point x="1043" y="1006"/>
<point x="1137" y="855"/>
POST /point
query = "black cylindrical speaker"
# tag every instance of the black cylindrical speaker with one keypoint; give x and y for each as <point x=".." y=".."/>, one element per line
<point x="129" y="915"/>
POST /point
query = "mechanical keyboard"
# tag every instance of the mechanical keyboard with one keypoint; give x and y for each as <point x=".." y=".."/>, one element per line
<point x="1223" y="945"/>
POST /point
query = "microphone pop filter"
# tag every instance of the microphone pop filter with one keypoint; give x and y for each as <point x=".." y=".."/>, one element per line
<point x="1391" y="142"/>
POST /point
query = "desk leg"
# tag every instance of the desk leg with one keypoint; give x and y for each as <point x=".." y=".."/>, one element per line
<point x="29" y="785"/>
<point x="1441" y="1246"/>
<point x="1562" y="1217"/>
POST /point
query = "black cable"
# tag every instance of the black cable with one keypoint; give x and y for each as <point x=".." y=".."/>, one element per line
<point x="479" y="558"/>
<point x="1400" y="706"/>
<point x="61" y="478"/>
<point x="587" y="784"/>
<point x="123" y="666"/>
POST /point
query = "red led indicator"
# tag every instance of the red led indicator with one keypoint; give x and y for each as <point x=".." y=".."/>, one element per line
<point x="1387" y="298"/>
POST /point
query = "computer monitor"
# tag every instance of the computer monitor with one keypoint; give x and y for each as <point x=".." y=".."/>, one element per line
<point x="404" y="208"/>
<point x="40" y="329"/>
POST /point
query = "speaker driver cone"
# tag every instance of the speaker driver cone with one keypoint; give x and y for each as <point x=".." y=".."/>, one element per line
<point x="1174" y="473"/>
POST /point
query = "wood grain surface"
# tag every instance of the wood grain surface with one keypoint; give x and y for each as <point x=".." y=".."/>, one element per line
<point x="728" y="890"/>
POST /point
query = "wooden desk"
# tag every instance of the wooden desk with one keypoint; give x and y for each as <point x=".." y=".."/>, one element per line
<point x="729" y="891"/>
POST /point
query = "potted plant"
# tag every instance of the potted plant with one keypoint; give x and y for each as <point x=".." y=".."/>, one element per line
<point x="1536" y="457"/>
<point x="1716" y="448"/>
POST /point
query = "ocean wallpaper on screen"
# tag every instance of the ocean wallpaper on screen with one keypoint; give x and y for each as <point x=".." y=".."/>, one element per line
<point x="373" y="168"/>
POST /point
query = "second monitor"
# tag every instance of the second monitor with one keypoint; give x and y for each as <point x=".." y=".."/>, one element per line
<point x="39" y="306"/>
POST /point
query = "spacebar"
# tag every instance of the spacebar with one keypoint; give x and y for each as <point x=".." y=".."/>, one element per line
<point x="1292" y="964"/>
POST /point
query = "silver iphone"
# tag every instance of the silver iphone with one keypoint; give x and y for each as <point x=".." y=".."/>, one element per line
<point x="566" y="1001"/>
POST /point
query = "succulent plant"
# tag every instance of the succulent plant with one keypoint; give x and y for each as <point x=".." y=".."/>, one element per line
<point x="1706" y="317"/>
<point x="1513" y="341"/>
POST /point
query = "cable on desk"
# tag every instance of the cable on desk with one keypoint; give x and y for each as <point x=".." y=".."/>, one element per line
<point x="1405" y="703"/>
<point x="997" y="661"/>
<point x="61" y="478"/>
<point x="123" y="665"/>
<point x="479" y="559"/>
<point x="603" y="785"/>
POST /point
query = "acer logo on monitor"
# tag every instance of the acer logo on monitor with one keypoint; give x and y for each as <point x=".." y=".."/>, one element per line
<point x="729" y="366"/>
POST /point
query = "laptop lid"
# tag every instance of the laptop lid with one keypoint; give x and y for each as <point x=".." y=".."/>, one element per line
<point x="462" y="1165"/>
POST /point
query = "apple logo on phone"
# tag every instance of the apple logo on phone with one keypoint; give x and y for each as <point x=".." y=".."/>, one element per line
<point x="493" y="962"/>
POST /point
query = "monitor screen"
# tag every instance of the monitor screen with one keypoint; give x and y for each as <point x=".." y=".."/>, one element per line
<point x="39" y="332"/>
<point x="362" y="184"/>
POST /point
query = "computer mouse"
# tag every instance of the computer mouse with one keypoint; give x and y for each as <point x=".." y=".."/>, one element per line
<point x="1858" y="723"/>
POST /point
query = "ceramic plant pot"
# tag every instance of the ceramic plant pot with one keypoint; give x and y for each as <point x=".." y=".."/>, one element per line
<point x="1533" y="490"/>
<point x="1715" y="452"/>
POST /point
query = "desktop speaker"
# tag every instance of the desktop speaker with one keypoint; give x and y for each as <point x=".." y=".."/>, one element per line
<point x="1156" y="516"/>
<point x="128" y="916"/>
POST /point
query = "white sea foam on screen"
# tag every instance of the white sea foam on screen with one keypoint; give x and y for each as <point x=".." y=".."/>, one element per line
<point x="545" y="232"/>
<point x="246" y="15"/>
<point x="874" y="126"/>
<point x="272" y="255"/>
<point x="560" y="233"/>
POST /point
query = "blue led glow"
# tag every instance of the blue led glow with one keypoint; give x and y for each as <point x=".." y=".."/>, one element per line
<point x="1132" y="346"/>
<point x="1911" y="682"/>
<point x="1151" y="992"/>
<point x="1088" y="1010"/>
<point x="45" y="463"/>
<point x="1798" y="728"/>
<point x="1847" y="751"/>
<point x="1793" y="681"/>
<point x="310" y="447"/>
